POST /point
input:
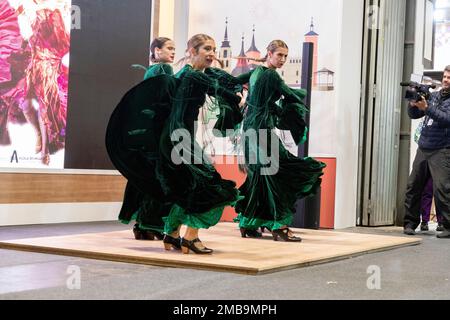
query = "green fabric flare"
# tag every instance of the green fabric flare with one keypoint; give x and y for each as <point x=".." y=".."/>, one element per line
<point x="194" y="185"/>
<point x="255" y="223"/>
<point x="270" y="197"/>
<point x="132" y="142"/>
<point x="178" y="216"/>
<point x="139" y="142"/>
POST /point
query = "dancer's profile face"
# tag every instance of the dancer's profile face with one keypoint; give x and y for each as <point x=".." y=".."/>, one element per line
<point x="278" y="58"/>
<point x="204" y="56"/>
<point x="166" y="54"/>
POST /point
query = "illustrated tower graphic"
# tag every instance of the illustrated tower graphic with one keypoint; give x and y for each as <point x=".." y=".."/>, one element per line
<point x="253" y="53"/>
<point x="225" y="50"/>
<point x="313" y="37"/>
<point x="242" y="64"/>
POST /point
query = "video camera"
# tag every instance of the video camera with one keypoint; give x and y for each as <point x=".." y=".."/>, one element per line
<point x="416" y="91"/>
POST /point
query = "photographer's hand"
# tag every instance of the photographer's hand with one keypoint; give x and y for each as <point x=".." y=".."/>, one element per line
<point x="422" y="104"/>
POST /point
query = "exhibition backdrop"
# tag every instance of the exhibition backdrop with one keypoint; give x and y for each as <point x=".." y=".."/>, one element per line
<point x="250" y="25"/>
<point x="53" y="114"/>
<point x="64" y="65"/>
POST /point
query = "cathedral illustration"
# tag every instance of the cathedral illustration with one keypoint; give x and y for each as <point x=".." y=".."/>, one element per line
<point x="323" y="79"/>
<point x="247" y="60"/>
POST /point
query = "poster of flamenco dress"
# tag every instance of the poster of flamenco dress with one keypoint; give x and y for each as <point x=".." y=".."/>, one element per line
<point x="34" y="68"/>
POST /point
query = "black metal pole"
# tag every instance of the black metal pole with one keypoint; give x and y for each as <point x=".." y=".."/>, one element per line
<point x="307" y="213"/>
<point x="306" y="83"/>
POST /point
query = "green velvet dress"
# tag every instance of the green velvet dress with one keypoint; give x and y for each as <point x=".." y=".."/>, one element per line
<point x="197" y="189"/>
<point x="269" y="196"/>
<point x="132" y="142"/>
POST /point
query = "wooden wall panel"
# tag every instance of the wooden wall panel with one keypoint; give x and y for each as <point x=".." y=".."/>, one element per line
<point x="48" y="188"/>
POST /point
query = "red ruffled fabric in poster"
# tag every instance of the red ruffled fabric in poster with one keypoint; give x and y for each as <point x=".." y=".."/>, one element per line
<point x="47" y="79"/>
<point x="14" y="59"/>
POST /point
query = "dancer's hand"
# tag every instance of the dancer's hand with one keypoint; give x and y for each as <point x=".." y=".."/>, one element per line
<point x="242" y="103"/>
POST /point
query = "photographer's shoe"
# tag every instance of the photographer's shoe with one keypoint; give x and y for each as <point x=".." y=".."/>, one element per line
<point x="409" y="231"/>
<point x="444" y="234"/>
<point x="424" y="226"/>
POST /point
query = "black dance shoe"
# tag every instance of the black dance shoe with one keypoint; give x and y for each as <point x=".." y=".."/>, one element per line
<point x="141" y="234"/>
<point x="250" y="233"/>
<point x="283" y="234"/>
<point x="444" y="234"/>
<point x="187" y="245"/>
<point x="424" y="226"/>
<point x="158" y="235"/>
<point x="171" y="242"/>
<point x="440" y="227"/>
<point x="263" y="229"/>
<point x="409" y="231"/>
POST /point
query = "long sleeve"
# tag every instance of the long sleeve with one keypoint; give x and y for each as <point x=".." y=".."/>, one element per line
<point x="292" y="115"/>
<point x="230" y="114"/>
<point x="292" y="95"/>
<point x="218" y="91"/>
<point x="228" y="81"/>
<point x="226" y="100"/>
<point x="415" y="113"/>
<point x="225" y="92"/>
<point x="439" y="111"/>
<point x="244" y="78"/>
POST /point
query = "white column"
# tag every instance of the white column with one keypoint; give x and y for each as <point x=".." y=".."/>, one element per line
<point x="181" y="26"/>
<point x="167" y="18"/>
<point x="348" y="84"/>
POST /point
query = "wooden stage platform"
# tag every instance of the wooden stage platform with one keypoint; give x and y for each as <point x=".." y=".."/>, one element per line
<point x="231" y="252"/>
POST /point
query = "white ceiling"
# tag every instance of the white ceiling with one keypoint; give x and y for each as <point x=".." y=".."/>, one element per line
<point x="440" y="4"/>
<point x="442" y="11"/>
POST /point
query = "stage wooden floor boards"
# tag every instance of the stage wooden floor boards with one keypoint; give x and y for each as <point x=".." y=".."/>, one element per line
<point x="231" y="252"/>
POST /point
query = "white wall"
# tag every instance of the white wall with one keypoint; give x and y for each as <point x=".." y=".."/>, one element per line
<point x="43" y="213"/>
<point x="166" y="18"/>
<point x="348" y="88"/>
<point x="181" y="27"/>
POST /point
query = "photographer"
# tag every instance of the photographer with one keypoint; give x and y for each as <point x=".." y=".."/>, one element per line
<point x="433" y="154"/>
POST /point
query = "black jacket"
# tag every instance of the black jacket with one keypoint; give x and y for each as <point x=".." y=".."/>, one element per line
<point x="436" y="130"/>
